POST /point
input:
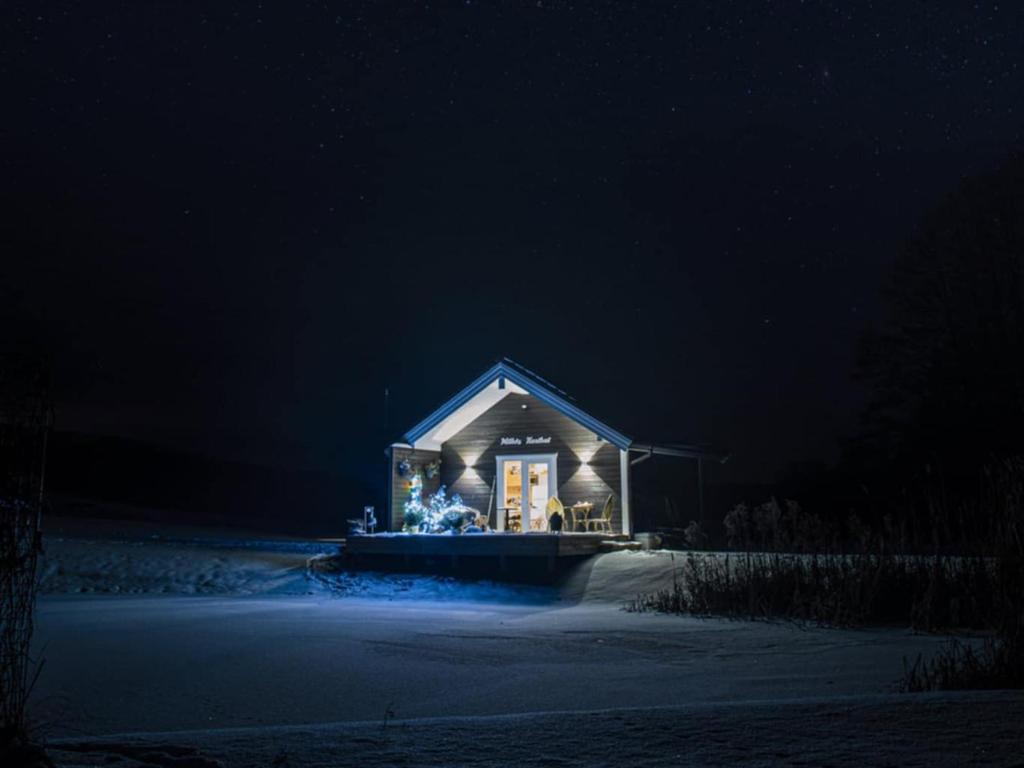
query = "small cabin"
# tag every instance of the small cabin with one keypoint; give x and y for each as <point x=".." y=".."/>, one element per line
<point x="515" y="449"/>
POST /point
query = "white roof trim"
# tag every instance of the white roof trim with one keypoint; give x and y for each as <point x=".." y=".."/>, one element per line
<point x="466" y="414"/>
<point x="527" y="383"/>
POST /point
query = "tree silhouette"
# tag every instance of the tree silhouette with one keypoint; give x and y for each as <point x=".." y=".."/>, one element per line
<point x="947" y="369"/>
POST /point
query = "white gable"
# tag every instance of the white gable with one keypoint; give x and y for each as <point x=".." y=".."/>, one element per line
<point x="466" y="414"/>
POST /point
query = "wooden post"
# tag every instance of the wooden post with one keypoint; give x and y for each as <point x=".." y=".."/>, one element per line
<point x="490" y="504"/>
<point x="627" y="521"/>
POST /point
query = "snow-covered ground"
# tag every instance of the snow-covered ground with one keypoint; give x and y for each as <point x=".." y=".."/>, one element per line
<point x="926" y="731"/>
<point x="128" y="558"/>
<point x="118" y="557"/>
<point x="369" y="670"/>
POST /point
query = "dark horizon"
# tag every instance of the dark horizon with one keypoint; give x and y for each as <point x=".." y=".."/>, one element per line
<point x="234" y="229"/>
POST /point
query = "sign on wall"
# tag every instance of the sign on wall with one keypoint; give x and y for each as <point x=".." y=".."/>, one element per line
<point x="530" y="440"/>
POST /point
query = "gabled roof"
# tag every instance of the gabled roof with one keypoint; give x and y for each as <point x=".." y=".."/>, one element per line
<point x="503" y="378"/>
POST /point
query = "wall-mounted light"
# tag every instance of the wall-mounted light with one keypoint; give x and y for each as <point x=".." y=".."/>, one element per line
<point x="525" y="406"/>
<point x="470" y="461"/>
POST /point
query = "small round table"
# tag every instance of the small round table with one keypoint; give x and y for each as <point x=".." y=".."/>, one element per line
<point x="580" y="514"/>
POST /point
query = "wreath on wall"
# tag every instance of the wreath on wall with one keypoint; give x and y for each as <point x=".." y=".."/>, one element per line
<point x="432" y="468"/>
<point x="404" y="467"/>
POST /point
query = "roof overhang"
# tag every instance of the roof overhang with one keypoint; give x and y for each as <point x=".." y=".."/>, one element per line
<point x="678" y="449"/>
<point x="496" y="383"/>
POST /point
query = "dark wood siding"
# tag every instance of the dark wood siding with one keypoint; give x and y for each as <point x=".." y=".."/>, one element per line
<point x="400" y="485"/>
<point x="469" y="457"/>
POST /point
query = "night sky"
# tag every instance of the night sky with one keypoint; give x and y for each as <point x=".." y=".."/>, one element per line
<point x="234" y="224"/>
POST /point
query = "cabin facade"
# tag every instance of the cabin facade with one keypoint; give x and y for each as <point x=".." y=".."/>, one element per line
<point x="507" y="444"/>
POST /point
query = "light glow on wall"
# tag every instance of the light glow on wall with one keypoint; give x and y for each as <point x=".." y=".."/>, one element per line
<point x="587" y="455"/>
<point x="469" y="461"/>
<point x="584" y="470"/>
<point x="468" y="471"/>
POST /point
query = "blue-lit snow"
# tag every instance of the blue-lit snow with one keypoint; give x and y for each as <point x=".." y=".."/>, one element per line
<point x="235" y="654"/>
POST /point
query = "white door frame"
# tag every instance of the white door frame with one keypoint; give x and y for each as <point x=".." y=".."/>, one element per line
<point x="551" y="459"/>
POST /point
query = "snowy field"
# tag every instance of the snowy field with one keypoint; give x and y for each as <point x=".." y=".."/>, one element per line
<point x="231" y="654"/>
<point x="119" y="557"/>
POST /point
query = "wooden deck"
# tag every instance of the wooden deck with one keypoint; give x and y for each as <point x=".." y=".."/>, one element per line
<point x="484" y="545"/>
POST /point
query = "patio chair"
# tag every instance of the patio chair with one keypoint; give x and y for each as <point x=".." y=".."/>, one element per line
<point x="603" y="522"/>
<point x="555" y="505"/>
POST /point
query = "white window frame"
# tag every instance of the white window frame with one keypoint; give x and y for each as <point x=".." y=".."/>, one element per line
<point x="524" y="458"/>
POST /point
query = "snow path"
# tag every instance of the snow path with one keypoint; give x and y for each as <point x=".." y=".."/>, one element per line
<point x="975" y="729"/>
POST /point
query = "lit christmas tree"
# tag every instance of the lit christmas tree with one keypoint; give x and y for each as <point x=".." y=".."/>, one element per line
<point x="439" y="515"/>
<point x="415" y="512"/>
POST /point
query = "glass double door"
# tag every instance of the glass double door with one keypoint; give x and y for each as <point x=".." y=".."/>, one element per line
<point x="525" y="483"/>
